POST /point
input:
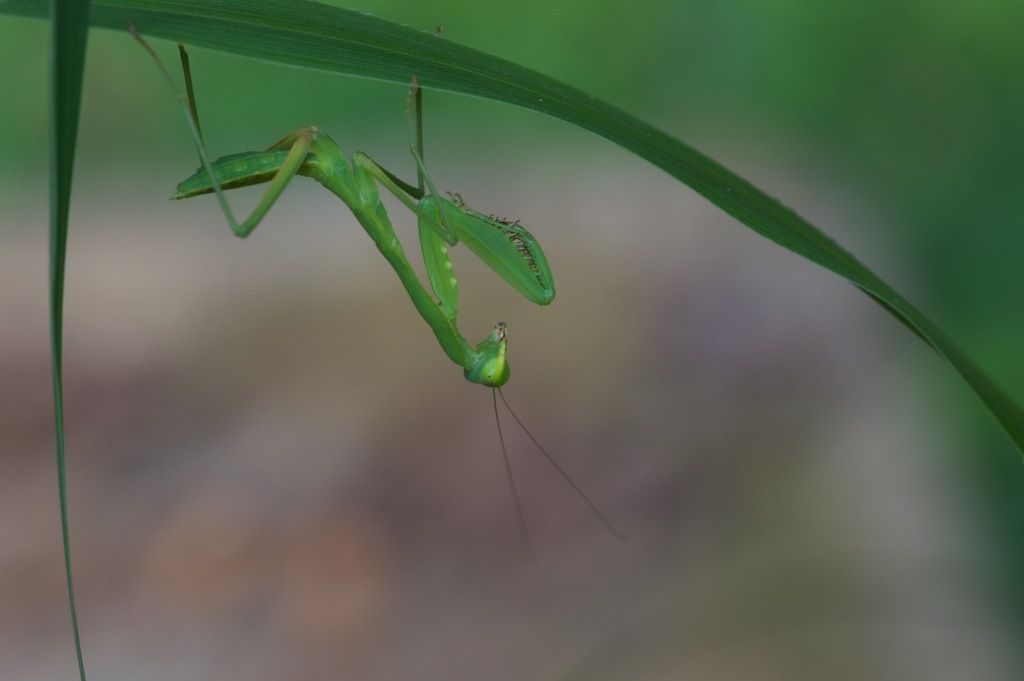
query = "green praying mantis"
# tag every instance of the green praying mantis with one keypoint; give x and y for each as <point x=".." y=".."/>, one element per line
<point x="504" y="246"/>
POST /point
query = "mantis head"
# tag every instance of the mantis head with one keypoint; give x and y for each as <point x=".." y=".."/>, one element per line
<point x="489" y="366"/>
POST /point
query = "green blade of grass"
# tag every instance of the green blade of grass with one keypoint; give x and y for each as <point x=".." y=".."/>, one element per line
<point x="311" y="35"/>
<point x="70" y="31"/>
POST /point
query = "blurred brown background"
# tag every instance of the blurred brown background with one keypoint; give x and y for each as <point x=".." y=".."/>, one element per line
<point x="276" y="473"/>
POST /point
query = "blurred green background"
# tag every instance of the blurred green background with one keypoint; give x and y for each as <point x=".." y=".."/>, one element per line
<point x="276" y="473"/>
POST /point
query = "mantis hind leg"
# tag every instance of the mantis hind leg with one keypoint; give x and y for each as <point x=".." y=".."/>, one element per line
<point x="302" y="139"/>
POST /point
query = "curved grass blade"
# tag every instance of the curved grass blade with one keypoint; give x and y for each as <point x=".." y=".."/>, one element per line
<point x="316" y="36"/>
<point x="70" y="31"/>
